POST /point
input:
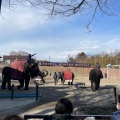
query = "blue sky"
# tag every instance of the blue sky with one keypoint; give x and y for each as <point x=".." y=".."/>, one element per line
<point x="30" y="30"/>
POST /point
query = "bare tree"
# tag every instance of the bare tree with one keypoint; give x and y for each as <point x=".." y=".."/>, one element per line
<point x="20" y="52"/>
<point x="13" y="53"/>
<point x="81" y="57"/>
<point x="70" y="58"/>
<point x="69" y="7"/>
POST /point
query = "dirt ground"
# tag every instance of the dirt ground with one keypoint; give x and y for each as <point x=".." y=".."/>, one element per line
<point x="85" y="101"/>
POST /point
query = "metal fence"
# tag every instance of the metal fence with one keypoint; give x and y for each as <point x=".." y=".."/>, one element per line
<point x="71" y="117"/>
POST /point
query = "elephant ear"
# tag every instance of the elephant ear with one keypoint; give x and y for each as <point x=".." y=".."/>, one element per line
<point x="26" y="67"/>
<point x="34" y="69"/>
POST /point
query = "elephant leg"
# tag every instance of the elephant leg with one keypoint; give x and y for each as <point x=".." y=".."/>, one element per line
<point x="72" y="82"/>
<point x="3" y="83"/>
<point x="9" y="84"/>
<point x="8" y="81"/>
<point x="62" y="81"/>
<point x="21" y="84"/>
<point x="6" y="78"/>
<point x="99" y="83"/>
<point x="27" y="80"/>
<point x="96" y="86"/>
<point x="93" y="85"/>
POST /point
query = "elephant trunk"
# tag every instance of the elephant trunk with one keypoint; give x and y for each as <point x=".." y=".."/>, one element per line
<point x="43" y="73"/>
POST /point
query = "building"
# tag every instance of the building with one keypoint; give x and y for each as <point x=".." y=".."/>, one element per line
<point x="11" y="58"/>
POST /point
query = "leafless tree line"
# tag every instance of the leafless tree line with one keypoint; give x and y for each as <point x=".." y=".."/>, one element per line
<point x="103" y="58"/>
<point x="17" y="53"/>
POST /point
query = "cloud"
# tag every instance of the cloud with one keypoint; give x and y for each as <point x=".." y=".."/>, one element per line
<point x="56" y="51"/>
<point x="32" y="31"/>
<point x="22" y="18"/>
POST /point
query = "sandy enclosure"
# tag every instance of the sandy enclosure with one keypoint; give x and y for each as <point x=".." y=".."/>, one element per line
<point x="51" y="93"/>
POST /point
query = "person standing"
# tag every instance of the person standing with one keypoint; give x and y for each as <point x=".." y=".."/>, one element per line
<point x="98" y="65"/>
<point x="62" y="78"/>
<point x="63" y="110"/>
<point x="55" y="77"/>
<point x="73" y="76"/>
<point x="116" y="114"/>
<point x="105" y="75"/>
<point x="29" y="58"/>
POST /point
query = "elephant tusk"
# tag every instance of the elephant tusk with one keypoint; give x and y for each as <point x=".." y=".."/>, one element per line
<point x="44" y="73"/>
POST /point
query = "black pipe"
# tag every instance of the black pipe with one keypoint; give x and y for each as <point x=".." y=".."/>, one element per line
<point x="12" y="91"/>
<point x="115" y="94"/>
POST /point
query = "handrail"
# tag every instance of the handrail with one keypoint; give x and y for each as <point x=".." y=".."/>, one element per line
<point x="100" y="117"/>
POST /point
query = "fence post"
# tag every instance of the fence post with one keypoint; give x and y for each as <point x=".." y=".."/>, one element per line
<point x="36" y="91"/>
<point x="12" y="91"/>
<point x="115" y="94"/>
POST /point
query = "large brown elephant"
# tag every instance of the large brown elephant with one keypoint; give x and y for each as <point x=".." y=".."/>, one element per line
<point x="94" y="76"/>
<point x="21" y="71"/>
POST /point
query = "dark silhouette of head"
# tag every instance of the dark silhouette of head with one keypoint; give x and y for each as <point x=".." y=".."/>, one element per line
<point x="64" y="106"/>
<point x="97" y="66"/>
<point x="29" y="55"/>
<point x="12" y="117"/>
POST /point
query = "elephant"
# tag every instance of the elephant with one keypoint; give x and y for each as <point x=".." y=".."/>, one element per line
<point x="66" y="75"/>
<point x="21" y="71"/>
<point x="94" y="76"/>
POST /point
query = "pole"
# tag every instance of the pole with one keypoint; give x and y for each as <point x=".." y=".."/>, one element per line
<point x="107" y="73"/>
<point x="115" y="94"/>
<point x="49" y="58"/>
<point x="36" y="91"/>
<point x="12" y="91"/>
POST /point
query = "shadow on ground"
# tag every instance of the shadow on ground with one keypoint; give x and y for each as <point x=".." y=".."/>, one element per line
<point x="81" y="98"/>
